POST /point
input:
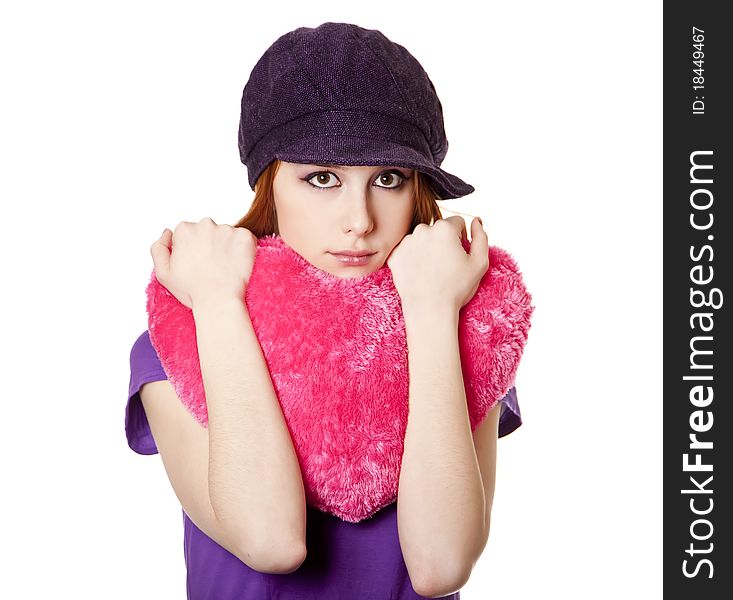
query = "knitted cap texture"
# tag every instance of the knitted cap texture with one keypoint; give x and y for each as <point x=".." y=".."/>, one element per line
<point x="342" y="94"/>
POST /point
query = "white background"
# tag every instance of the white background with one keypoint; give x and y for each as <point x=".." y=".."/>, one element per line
<point x="120" y="119"/>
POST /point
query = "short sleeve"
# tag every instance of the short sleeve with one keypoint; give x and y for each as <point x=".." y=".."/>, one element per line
<point x="510" y="417"/>
<point x="144" y="367"/>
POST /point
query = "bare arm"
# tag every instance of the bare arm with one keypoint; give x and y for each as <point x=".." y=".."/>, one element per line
<point x="255" y="483"/>
<point x="442" y="512"/>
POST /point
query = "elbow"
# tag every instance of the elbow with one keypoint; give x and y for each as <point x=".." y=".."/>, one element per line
<point x="287" y="561"/>
<point x="290" y="561"/>
<point x="273" y="550"/>
<point x="274" y="559"/>
<point x="433" y="584"/>
<point x="447" y="577"/>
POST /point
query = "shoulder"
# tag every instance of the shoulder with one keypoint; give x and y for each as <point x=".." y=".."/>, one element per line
<point x="144" y="359"/>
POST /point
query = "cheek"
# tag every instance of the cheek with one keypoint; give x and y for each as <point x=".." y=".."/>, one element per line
<point x="303" y="223"/>
<point x="407" y="211"/>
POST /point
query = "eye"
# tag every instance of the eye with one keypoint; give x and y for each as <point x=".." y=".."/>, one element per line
<point x="321" y="177"/>
<point x="388" y="177"/>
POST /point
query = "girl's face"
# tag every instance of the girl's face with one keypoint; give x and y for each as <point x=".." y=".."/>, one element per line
<point x="324" y="209"/>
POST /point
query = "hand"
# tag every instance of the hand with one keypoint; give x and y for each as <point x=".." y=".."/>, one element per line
<point x="202" y="260"/>
<point x="431" y="266"/>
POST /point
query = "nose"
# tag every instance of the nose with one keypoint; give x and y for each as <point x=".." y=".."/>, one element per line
<point x="357" y="217"/>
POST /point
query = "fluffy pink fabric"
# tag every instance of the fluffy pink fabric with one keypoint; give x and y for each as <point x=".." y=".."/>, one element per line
<point x="337" y="355"/>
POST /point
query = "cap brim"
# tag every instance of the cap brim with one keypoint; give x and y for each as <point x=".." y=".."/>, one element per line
<point x="352" y="150"/>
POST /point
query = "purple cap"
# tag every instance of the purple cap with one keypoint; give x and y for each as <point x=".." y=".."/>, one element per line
<point x="342" y="94"/>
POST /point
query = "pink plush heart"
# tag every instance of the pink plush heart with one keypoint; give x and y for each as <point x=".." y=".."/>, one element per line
<point x="337" y="355"/>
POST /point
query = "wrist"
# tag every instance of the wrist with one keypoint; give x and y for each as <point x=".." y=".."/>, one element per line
<point x="429" y="313"/>
<point x="429" y="309"/>
<point x="216" y="302"/>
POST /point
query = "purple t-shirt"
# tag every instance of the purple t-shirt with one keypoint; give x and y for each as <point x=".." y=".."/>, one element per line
<point x="344" y="560"/>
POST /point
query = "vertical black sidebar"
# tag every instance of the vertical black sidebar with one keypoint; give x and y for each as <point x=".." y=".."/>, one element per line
<point x="698" y="429"/>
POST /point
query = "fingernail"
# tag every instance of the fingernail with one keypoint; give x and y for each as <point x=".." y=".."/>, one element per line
<point x="479" y="220"/>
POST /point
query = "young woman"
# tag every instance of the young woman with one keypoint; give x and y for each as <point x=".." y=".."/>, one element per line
<point x="342" y="135"/>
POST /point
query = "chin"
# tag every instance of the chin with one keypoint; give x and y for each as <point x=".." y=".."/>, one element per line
<point x="353" y="272"/>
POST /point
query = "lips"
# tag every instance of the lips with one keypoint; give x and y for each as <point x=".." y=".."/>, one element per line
<point x="352" y="253"/>
<point x="354" y="258"/>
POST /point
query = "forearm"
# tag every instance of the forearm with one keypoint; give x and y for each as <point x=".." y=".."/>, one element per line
<point x="441" y="504"/>
<point x="255" y="483"/>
